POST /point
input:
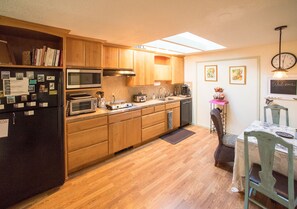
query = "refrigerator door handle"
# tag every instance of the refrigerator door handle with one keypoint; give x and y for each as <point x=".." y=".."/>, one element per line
<point x="13" y="118"/>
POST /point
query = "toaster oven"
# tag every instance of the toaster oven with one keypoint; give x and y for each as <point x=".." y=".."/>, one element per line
<point x="81" y="103"/>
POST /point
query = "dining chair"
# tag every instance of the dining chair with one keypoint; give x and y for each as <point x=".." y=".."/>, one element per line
<point x="225" y="149"/>
<point x="275" y="113"/>
<point x="261" y="177"/>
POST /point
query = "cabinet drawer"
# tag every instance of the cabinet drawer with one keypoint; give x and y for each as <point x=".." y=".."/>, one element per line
<point x="153" y="119"/>
<point x="148" y="110"/>
<point x="87" y="155"/>
<point x="86" y="138"/>
<point x="86" y="124"/>
<point x="124" y="116"/>
<point x="153" y="131"/>
<point x="172" y="105"/>
<point x="159" y="108"/>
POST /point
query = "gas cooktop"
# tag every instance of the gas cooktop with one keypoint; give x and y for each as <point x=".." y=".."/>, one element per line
<point x="116" y="106"/>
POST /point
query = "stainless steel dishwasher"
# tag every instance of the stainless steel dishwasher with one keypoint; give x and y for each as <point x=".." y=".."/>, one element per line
<point x="185" y="112"/>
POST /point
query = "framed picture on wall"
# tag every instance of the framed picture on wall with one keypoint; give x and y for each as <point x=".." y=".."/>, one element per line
<point x="237" y="75"/>
<point x="210" y="72"/>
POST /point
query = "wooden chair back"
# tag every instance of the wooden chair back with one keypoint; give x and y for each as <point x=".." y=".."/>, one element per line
<point x="266" y="146"/>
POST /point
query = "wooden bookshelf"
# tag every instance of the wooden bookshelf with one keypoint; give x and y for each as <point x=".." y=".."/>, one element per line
<point x="19" y="40"/>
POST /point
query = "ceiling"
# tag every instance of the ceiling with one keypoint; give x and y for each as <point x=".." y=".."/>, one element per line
<point x="231" y="23"/>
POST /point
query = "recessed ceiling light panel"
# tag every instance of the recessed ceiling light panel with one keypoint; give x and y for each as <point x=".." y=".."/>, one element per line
<point x="171" y="46"/>
<point x="183" y="43"/>
<point x="159" y="50"/>
<point x="191" y="40"/>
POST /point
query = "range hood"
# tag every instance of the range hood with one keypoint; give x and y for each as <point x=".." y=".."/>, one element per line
<point x="118" y="72"/>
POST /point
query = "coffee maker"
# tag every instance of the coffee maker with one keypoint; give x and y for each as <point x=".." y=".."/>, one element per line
<point x="185" y="90"/>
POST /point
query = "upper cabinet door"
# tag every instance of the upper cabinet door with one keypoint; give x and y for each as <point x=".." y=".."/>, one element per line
<point x="75" y="52"/>
<point x="143" y="68"/>
<point x="177" y="67"/>
<point x="162" y="68"/>
<point x="139" y="69"/>
<point x="110" y="57"/>
<point x="93" y="54"/>
<point x="126" y="58"/>
<point x="149" y="68"/>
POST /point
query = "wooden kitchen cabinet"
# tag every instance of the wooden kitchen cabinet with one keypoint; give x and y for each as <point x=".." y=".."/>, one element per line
<point x="153" y="122"/>
<point x="126" y="58"/>
<point x="177" y="68"/>
<point x="176" y="117"/>
<point x="153" y="131"/>
<point x="75" y="52"/>
<point x="87" y="142"/>
<point x="175" y="108"/>
<point x="86" y="156"/>
<point x="110" y="57"/>
<point x="162" y="68"/>
<point x="143" y="68"/>
<point x="83" y="53"/>
<point x="152" y="119"/>
<point x="117" y="58"/>
<point x="149" y="68"/>
<point x="124" y="130"/>
<point x="93" y="54"/>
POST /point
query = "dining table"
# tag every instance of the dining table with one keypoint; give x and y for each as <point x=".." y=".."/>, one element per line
<point x="281" y="157"/>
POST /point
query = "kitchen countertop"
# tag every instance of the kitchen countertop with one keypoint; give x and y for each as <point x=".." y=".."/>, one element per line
<point x="136" y="106"/>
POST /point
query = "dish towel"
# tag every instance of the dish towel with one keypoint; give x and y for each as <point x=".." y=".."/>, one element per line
<point x="169" y="119"/>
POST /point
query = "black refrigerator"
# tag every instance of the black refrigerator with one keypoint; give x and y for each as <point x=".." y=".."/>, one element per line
<point x="31" y="133"/>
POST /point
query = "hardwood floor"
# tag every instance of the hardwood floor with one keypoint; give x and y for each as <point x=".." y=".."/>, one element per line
<point x="157" y="175"/>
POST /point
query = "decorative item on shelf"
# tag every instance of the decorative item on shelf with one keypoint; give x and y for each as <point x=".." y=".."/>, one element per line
<point x="283" y="60"/>
<point x="26" y="58"/>
<point x="6" y="55"/>
<point x="219" y="93"/>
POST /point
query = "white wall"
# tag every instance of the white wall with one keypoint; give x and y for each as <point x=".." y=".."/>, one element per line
<point x="241" y="109"/>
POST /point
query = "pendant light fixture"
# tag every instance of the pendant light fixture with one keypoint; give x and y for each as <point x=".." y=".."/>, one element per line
<point x="280" y="71"/>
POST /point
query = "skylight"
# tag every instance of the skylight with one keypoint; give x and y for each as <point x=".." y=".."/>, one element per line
<point x="183" y="43"/>
<point x="165" y="51"/>
<point x="171" y="46"/>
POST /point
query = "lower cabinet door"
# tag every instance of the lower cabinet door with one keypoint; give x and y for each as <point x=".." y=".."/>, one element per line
<point x="117" y="135"/>
<point x="176" y="117"/>
<point x="133" y="128"/>
<point x="124" y="134"/>
<point x="86" y="156"/>
<point x="153" y="131"/>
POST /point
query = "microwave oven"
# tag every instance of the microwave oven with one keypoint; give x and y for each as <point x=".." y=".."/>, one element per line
<point x="83" y="78"/>
<point x="81" y="103"/>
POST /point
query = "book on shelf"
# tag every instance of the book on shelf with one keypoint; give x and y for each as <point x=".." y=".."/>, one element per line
<point x="61" y="58"/>
<point x="44" y="56"/>
<point x="43" y="50"/>
<point x="57" y="58"/>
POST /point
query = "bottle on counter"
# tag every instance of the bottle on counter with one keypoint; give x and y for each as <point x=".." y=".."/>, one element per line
<point x="154" y="96"/>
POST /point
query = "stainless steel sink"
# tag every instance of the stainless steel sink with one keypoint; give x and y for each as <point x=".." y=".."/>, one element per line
<point x="166" y="99"/>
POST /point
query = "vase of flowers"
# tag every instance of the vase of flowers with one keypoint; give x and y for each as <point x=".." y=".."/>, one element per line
<point x="219" y="93"/>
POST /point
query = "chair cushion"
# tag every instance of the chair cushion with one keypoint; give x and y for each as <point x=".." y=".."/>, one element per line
<point x="281" y="185"/>
<point x="229" y="140"/>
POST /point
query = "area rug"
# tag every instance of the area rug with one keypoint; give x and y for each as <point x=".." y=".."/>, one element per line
<point x="177" y="136"/>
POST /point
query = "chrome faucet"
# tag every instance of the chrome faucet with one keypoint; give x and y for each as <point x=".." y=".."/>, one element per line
<point x="163" y="95"/>
<point x="113" y="99"/>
